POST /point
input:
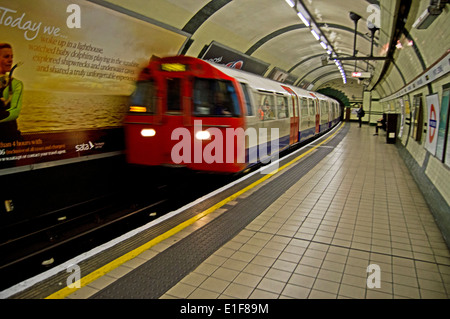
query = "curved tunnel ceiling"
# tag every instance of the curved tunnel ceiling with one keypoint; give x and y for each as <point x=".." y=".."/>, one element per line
<point x="271" y="31"/>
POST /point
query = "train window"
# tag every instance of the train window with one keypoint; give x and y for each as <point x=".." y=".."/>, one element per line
<point x="312" y="110"/>
<point x="266" y="107"/>
<point x="247" y="99"/>
<point x="283" y="111"/>
<point x="143" y="97"/>
<point x="215" y="98"/>
<point x="304" y="108"/>
<point x="323" y="107"/>
<point x="173" y="94"/>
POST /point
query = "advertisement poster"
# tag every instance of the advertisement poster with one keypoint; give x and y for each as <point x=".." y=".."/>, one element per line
<point x="444" y="131"/>
<point x="221" y="54"/>
<point x="442" y="134"/>
<point x="417" y="118"/>
<point x="77" y="62"/>
<point x="401" y="110"/>
<point x="280" y="75"/>
<point x="433" y="123"/>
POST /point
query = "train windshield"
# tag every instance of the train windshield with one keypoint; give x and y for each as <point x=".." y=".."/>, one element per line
<point x="144" y="97"/>
<point x="215" y="98"/>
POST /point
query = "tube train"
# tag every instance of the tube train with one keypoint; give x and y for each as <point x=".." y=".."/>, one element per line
<point x="207" y="117"/>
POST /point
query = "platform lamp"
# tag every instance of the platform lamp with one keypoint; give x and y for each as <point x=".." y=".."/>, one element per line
<point x="372" y="29"/>
<point x="355" y="17"/>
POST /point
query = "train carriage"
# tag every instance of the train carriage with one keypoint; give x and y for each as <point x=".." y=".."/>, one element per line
<point x="208" y="117"/>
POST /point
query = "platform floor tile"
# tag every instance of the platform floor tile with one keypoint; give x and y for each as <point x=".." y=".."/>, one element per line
<point x="358" y="207"/>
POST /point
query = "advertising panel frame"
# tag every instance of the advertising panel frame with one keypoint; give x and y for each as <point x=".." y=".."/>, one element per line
<point x="57" y="138"/>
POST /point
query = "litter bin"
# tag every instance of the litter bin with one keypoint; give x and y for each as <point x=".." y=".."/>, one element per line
<point x="391" y="128"/>
<point x="347" y="114"/>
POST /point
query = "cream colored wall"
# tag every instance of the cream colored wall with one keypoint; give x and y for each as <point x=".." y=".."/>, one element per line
<point x="433" y="43"/>
<point x="436" y="171"/>
<point x="169" y="12"/>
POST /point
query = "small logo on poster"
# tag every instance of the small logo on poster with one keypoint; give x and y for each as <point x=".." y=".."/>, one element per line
<point x="89" y="146"/>
<point x="433" y="123"/>
<point x="235" y="64"/>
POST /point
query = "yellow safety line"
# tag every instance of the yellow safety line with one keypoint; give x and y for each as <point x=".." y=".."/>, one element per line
<point x="130" y="255"/>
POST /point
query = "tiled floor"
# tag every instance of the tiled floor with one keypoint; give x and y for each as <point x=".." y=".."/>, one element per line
<point x="358" y="207"/>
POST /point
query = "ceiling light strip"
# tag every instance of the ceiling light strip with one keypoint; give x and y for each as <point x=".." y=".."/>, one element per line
<point x="307" y="20"/>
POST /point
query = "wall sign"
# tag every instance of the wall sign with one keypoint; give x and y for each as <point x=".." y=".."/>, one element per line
<point x="433" y="123"/>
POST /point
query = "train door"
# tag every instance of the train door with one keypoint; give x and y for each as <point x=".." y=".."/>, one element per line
<point x="294" y="123"/>
<point x="324" y="114"/>
<point x="252" y="120"/>
<point x="305" y="122"/>
<point x="312" y="114"/>
<point x="304" y="114"/>
<point x="294" y="120"/>
<point x="316" y="106"/>
<point x="330" y="113"/>
<point x="175" y="112"/>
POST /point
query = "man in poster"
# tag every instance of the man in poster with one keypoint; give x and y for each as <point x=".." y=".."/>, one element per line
<point x="10" y="96"/>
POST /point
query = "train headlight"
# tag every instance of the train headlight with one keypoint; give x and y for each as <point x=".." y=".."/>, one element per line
<point x="202" y="135"/>
<point x="148" y="132"/>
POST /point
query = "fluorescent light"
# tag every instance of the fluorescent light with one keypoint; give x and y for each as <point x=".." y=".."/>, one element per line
<point x="290" y="3"/>
<point x="314" y="33"/>
<point x="302" y="17"/>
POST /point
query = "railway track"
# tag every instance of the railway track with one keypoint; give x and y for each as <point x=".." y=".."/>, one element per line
<point x="30" y="247"/>
<point x="50" y="243"/>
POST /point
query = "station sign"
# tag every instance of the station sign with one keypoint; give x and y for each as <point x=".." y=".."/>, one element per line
<point x="438" y="70"/>
<point x="173" y="67"/>
<point x="433" y="123"/>
<point x="361" y="75"/>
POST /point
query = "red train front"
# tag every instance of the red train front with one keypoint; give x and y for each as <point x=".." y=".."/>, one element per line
<point x="177" y="103"/>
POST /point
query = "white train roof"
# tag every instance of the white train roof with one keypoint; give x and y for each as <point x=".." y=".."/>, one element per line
<point x="261" y="83"/>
